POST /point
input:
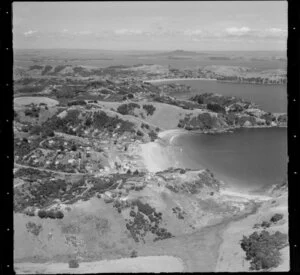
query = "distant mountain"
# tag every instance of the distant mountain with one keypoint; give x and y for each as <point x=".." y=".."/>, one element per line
<point x="180" y="53"/>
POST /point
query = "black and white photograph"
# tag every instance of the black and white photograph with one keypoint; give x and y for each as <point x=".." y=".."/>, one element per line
<point x="150" y="136"/>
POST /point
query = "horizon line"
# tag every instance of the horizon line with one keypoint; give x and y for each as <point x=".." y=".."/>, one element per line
<point x="149" y="50"/>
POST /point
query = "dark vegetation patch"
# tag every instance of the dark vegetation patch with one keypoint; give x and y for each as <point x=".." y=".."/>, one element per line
<point x="273" y="220"/>
<point x="41" y="188"/>
<point x="22" y="147"/>
<point x="215" y="107"/>
<point x="34" y="228"/>
<point x="263" y="249"/>
<point x="204" y="121"/>
<point x="59" y="68"/>
<point x="31" y="89"/>
<point x="47" y="69"/>
<point x="77" y="102"/>
<point x="51" y="214"/>
<point x="34" y="111"/>
<point x="150" y="109"/>
<point x="153" y="135"/>
<point x="178" y="212"/>
<point x="35" y="67"/>
<point x="145" y="220"/>
<point x="127" y="109"/>
<point x="73" y="263"/>
<point x="221" y="101"/>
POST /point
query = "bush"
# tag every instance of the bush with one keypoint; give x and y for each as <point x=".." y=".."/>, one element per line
<point x="149" y="109"/>
<point x="76" y="102"/>
<point x="152" y="135"/>
<point x="263" y="249"/>
<point x="73" y="264"/>
<point x="42" y="214"/>
<point x="59" y="215"/>
<point x="127" y="109"/>
<point x="276" y="218"/>
<point x="74" y="147"/>
<point x="35" y="67"/>
<point x="216" y="108"/>
<point x="47" y="69"/>
<point x="133" y="254"/>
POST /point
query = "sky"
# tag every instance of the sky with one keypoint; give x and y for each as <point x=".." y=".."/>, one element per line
<point x="196" y="26"/>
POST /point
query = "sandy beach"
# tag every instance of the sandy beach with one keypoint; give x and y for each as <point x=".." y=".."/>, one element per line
<point x="159" y="155"/>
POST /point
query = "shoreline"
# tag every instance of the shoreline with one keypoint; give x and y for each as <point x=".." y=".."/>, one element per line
<point x="177" y="79"/>
<point x="158" y="155"/>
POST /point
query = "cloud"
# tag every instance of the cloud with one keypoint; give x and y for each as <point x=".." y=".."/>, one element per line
<point x="29" y="33"/>
<point x="189" y="32"/>
<point x="276" y="32"/>
<point x="238" y="31"/>
<point x="128" y="32"/>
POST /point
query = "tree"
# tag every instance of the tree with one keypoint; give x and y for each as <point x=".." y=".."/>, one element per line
<point x="262" y="249"/>
<point x="42" y="214"/>
<point x="73" y="263"/>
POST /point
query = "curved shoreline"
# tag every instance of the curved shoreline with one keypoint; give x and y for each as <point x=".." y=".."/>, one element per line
<point x="176" y="79"/>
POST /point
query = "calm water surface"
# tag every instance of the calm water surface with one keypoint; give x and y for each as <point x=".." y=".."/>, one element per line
<point x="271" y="98"/>
<point x="248" y="159"/>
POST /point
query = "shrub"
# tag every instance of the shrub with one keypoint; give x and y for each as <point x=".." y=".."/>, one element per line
<point x="216" y="108"/>
<point x="74" y="147"/>
<point x="33" y="228"/>
<point x="139" y="133"/>
<point x="276" y="218"/>
<point x="76" y="102"/>
<point x="47" y="69"/>
<point x="42" y="214"/>
<point x="73" y="264"/>
<point x="152" y="135"/>
<point x="35" y="67"/>
<point x="133" y="254"/>
<point x="149" y="109"/>
<point x="59" y="215"/>
<point x="263" y="249"/>
<point x="127" y="109"/>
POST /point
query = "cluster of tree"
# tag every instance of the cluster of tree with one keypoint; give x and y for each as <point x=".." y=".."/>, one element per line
<point x="31" y="89"/>
<point x="43" y="214"/>
<point x="47" y="69"/>
<point x="263" y="249"/>
<point x="35" y="67"/>
<point x="73" y="263"/>
<point x="34" y="228"/>
<point x="152" y="135"/>
<point x="102" y="121"/>
<point x="59" y="68"/>
<point x="56" y="123"/>
<point x="76" y="102"/>
<point x="211" y="98"/>
<point x="144" y="125"/>
<point x="215" y="107"/>
<point x="150" y="109"/>
<point x="34" y="111"/>
<point x="127" y="109"/>
<point x="203" y="121"/>
<point x="21" y="147"/>
<point x="266" y="224"/>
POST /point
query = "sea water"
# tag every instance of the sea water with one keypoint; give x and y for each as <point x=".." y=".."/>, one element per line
<point x="271" y="98"/>
<point x="247" y="159"/>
